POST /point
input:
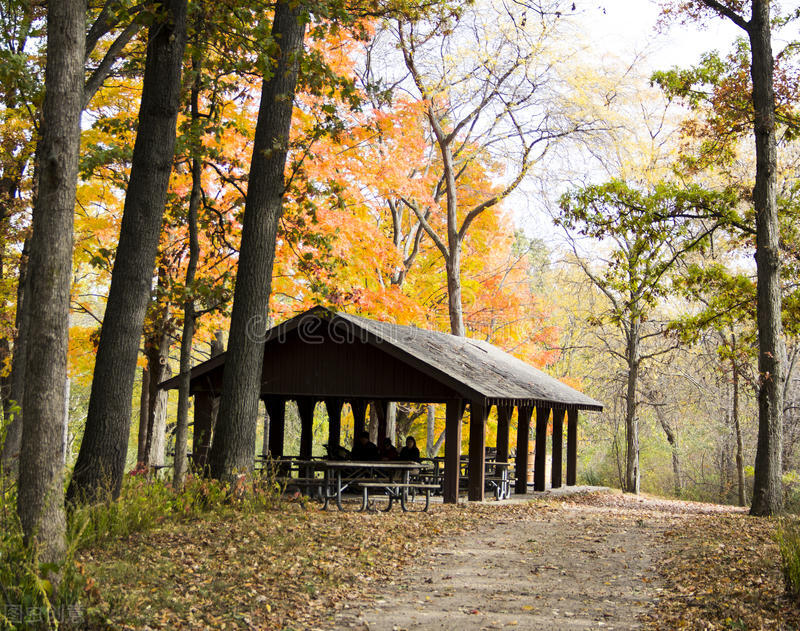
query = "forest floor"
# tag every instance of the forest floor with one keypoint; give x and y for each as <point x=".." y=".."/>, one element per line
<point x="594" y="560"/>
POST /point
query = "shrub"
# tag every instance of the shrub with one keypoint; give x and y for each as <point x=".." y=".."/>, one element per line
<point x="28" y="597"/>
<point x="33" y="595"/>
<point x="788" y="538"/>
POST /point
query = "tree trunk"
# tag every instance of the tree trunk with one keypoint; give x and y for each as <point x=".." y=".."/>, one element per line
<point x="101" y="460"/>
<point x="767" y="488"/>
<point x="737" y="428"/>
<point x="632" y="476"/>
<point x="13" y="438"/>
<point x="453" y="258"/>
<point x="40" y="501"/>
<point x="157" y="352"/>
<point x="157" y="433"/>
<point x="454" y="303"/>
<point x="265" y="438"/>
<point x="391" y="421"/>
<point x="372" y="424"/>
<point x="430" y="430"/>
<point x="233" y="448"/>
<point x="181" y="429"/>
<point x="672" y="439"/>
<point x="433" y="444"/>
<point x="144" y="418"/>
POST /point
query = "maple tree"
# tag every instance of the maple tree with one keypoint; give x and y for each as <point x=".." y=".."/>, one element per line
<point x="493" y="98"/>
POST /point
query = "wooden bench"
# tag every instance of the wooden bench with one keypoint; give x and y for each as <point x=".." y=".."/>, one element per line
<point x="406" y="492"/>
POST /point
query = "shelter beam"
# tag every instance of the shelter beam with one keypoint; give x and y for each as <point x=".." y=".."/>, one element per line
<point x="359" y="407"/>
<point x="540" y="449"/>
<point x="276" y="408"/>
<point x="477" y="450"/>
<point x="452" y="451"/>
<point x="572" y="447"/>
<point x="524" y="413"/>
<point x="334" y="408"/>
<point x="305" y="407"/>
<point x="382" y="411"/>
<point x="558" y="448"/>
<point x="504" y="413"/>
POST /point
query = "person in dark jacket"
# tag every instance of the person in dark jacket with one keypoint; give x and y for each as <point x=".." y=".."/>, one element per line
<point x="410" y="451"/>
<point x="364" y="450"/>
<point x="388" y="451"/>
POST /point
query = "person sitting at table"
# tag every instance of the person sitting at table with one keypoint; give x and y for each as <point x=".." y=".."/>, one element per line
<point x="410" y="452"/>
<point x="388" y="452"/>
<point x="364" y="449"/>
<point x="337" y="452"/>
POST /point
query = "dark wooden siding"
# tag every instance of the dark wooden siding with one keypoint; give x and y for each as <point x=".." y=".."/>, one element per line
<point x="327" y="368"/>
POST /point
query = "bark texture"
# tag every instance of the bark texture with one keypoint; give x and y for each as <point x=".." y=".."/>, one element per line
<point x="632" y="473"/>
<point x="13" y="438"/>
<point x="101" y="460"/>
<point x="767" y="491"/>
<point x="737" y="428"/>
<point x="233" y="447"/>
<point x="40" y="501"/>
<point x="144" y="415"/>
<point x="181" y="429"/>
<point x="157" y="352"/>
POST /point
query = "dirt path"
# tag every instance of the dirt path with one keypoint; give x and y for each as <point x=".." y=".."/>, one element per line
<point x="566" y="566"/>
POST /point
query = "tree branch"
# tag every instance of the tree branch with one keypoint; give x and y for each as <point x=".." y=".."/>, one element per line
<point x="729" y="13"/>
<point x="102" y="71"/>
<point x="431" y="232"/>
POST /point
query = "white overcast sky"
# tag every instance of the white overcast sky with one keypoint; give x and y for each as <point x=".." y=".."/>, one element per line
<point x="626" y="29"/>
<point x="620" y="26"/>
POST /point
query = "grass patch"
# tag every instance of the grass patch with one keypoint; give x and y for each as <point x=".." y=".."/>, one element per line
<point x="788" y="537"/>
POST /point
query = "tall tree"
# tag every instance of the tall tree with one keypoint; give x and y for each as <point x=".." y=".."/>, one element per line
<point x="490" y="106"/>
<point x="233" y="447"/>
<point x="21" y="163"/>
<point x="41" y="496"/>
<point x="180" y="464"/>
<point x="101" y="460"/>
<point x="649" y="236"/>
<point x="767" y="488"/>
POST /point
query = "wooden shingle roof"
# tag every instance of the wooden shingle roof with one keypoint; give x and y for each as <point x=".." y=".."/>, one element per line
<point x="473" y="368"/>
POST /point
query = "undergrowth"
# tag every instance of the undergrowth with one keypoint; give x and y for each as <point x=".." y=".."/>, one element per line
<point x="34" y="595"/>
<point x="788" y="538"/>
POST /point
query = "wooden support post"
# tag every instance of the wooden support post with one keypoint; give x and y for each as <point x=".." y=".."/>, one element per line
<point x="452" y="451"/>
<point x="305" y="407"/>
<point x="203" y="428"/>
<point x="524" y="413"/>
<point x="540" y="449"/>
<point x="276" y="408"/>
<point x="334" y="408"/>
<point x="381" y="409"/>
<point x="572" y="447"/>
<point x="558" y="448"/>
<point x="477" y="450"/>
<point x="504" y="413"/>
<point x="359" y="407"/>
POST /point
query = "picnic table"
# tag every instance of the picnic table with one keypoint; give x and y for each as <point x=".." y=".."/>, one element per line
<point x="497" y="475"/>
<point x="372" y="483"/>
<point x="387" y="481"/>
<point x="497" y="479"/>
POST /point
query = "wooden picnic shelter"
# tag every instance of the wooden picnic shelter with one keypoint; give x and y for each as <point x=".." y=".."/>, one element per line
<point x="336" y="358"/>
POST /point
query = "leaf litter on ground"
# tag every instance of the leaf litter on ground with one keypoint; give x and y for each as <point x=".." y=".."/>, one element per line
<point x="292" y="567"/>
